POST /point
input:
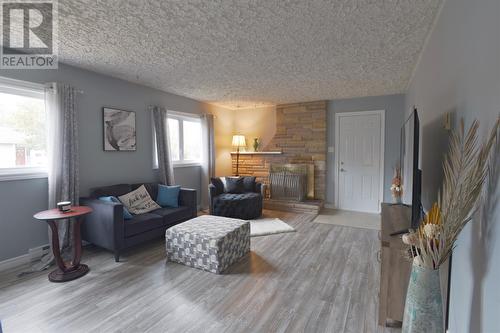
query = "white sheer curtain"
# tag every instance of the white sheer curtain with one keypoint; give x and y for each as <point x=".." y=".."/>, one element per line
<point x="162" y="145"/>
<point x="62" y="146"/>
<point x="208" y="162"/>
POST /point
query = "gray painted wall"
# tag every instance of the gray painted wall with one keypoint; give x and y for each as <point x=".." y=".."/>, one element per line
<point x="459" y="72"/>
<point x="21" y="199"/>
<point x="394" y="114"/>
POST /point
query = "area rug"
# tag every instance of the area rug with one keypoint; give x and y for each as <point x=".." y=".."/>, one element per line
<point x="268" y="226"/>
<point x="349" y="219"/>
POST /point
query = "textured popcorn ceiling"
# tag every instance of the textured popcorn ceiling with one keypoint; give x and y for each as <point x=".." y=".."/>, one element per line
<point x="241" y="53"/>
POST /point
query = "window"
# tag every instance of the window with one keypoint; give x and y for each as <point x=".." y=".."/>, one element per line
<point x="23" y="130"/>
<point x="173" y="133"/>
<point x="185" y="140"/>
<point x="191" y="140"/>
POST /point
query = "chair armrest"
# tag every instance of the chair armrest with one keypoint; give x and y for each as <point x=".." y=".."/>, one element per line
<point x="212" y="190"/>
<point x="189" y="198"/>
<point x="261" y="188"/>
<point x="212" y="193"/>
<point x="105" y="225"/>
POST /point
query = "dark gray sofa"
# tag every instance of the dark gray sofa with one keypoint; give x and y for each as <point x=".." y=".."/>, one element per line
<point x="106" y="228"/>
<point x="246" y="205"/>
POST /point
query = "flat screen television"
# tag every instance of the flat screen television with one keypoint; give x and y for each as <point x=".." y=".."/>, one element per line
<point x="411" y="175"/>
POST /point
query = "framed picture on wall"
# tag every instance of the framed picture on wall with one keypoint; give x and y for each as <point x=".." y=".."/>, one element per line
<point x="119" y="130"/>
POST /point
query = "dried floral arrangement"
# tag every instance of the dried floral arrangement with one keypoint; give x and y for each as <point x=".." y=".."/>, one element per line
<point x="396" y="187"/>
<point x="466" y="167"/>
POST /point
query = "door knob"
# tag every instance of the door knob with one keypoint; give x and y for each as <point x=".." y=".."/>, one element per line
<point x="342" y="170"/>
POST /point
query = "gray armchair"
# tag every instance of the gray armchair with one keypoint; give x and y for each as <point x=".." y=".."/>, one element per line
<point x="245" y="203"/>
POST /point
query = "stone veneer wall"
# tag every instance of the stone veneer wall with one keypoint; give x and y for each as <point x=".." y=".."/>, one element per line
<point x="301" y="136"/>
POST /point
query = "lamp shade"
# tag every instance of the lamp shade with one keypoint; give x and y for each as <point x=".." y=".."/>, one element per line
<point x="239" y="141"/>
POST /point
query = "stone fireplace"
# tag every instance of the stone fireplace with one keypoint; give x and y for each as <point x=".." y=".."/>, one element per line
<point x="300" y="142"/>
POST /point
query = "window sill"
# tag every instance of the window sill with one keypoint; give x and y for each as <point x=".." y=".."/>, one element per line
<point x="186" y="165"/>
<point x="182" y="165"/>
<point x="20" y="174"/>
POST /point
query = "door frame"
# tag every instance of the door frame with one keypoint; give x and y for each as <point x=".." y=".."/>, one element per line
<point x="382" y="152"/>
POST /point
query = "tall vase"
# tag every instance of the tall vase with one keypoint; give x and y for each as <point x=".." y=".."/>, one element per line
<point x="396" y="199"/>
<point x="424" y="305"/>
<point x="256" y="144"/>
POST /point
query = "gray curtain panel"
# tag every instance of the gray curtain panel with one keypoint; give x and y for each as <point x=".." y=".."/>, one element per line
<point x="208" y="165"/>
<point x="60" y="100"/>
<point x="162" y="145"/>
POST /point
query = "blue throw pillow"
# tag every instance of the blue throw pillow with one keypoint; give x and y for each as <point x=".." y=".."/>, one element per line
<point x="126" y="213"/>
<point x="168" y="196"/>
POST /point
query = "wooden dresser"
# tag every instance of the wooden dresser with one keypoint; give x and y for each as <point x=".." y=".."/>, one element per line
<point x="395" y="268"/>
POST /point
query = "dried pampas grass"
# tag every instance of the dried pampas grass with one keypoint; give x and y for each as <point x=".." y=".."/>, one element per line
<point x="465" y="170"/>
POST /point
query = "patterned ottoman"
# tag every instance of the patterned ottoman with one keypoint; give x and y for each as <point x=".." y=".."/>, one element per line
<point x="207" y="242"/>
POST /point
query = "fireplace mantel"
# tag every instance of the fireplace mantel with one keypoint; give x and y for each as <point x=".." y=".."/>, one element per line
<point x="300" y="138"/>
<point x="257" y="153"/>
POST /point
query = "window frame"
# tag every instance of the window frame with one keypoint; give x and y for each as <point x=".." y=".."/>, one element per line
<point x="26" y="89"/>
<point x="180" y="117"/>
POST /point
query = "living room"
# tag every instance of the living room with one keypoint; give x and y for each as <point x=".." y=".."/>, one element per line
<point x="246" y="122"/>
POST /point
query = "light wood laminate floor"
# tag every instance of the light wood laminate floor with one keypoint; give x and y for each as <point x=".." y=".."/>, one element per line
<point x="322" y="278"/>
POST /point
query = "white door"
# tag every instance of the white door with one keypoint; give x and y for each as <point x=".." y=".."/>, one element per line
<point x="359" y="160"/>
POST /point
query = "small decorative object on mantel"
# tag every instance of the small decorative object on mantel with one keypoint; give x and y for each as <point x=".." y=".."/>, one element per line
<point x="466" y="170"/>
<point x="256" y="144"/>
<point x="396" y="187"/>
<point x="64" y="206"/>
<point x="119" y="130"/>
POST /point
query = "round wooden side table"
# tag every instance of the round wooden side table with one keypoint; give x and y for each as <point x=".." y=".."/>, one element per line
<point x="67" y="271"/>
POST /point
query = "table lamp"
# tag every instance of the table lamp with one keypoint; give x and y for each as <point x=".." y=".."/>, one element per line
<point x="238" y="142"/>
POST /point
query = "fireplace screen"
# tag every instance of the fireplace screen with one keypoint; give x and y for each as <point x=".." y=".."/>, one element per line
<point x="289" y="181"/>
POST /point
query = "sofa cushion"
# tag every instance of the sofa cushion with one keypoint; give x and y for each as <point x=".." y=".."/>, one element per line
<point x="234" y="185"/>
<point x="141" y="223"/>
<point x="113" y="190"/>
<point x="173" y="215"/>
<point x="168" y="196"/>
<point x="238" y="197"/>
<point x="139" y="201"/>
<point x="152" y="189"/>
<point x="126" y="213"/>
<point x="244" y="206"/>
<point x="249" y="184"/>
<point x="224" y="183"/>
<point x="219" y="185"/>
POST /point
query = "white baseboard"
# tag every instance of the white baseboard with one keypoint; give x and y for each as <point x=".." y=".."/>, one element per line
<point x="14" y="262"/>
<point x="33" y="254"/>
<point x="329" y="205"/>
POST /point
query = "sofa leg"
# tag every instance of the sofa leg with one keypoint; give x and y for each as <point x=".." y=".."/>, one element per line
<point x="117" y="256"/>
